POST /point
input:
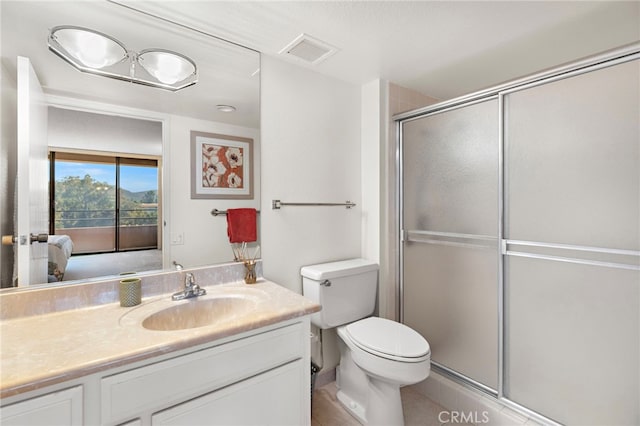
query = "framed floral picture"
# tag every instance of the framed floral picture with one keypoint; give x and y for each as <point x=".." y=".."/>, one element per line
<point x="221" y="166"/>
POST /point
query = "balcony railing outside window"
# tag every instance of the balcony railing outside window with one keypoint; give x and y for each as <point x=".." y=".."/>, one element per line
<point x="93" y="231"/>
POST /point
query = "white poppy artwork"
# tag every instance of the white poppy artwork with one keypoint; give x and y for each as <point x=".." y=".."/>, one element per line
<point x="221" y="166"/>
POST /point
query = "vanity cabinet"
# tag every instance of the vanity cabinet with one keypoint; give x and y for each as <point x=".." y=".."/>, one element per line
<point x="238" y="367"/>
<point x="254" y="378"/>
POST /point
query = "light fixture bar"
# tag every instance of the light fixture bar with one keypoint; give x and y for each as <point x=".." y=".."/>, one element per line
<point x="93" y="52"/>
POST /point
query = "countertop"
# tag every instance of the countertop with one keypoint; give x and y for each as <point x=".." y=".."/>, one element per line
<point x="43" y="350"/>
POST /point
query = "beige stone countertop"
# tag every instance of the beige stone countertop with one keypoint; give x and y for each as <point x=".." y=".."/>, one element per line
<point x="43" y="350"/>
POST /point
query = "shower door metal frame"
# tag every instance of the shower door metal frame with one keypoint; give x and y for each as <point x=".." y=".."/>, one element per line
<point x="606" y="59"/>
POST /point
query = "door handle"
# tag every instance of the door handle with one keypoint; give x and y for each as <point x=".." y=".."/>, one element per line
<point x="8" y="240"/>
<point x="39" y="238"/>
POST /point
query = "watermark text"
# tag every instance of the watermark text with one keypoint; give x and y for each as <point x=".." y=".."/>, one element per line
<point x="475" y="417"/>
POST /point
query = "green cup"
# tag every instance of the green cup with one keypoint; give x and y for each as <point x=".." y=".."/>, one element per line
<point x="130" y="292"/>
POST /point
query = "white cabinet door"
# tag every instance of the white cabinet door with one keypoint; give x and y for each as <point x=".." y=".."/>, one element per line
<point x="58" y="408"/>
<point x="272" y="398"/>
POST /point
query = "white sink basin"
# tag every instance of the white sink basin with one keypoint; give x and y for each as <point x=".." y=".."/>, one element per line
<point x="196" y="312"/>
<point x="223" y="306"/>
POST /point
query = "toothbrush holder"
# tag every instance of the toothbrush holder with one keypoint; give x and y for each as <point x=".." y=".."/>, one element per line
<point x="130" y="292"/>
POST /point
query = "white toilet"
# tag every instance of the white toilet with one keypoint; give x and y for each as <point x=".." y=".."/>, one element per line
<point x="377" y="356"/>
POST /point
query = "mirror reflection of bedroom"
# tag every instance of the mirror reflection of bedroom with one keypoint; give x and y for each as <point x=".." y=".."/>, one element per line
<point x="104" y="199"/>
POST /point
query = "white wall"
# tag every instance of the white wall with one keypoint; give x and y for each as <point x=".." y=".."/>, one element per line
<point x="310" y="153"/>
<point x="204" y="236"/>
<point x="372" y="135"/>
<point x="69" y="128"/>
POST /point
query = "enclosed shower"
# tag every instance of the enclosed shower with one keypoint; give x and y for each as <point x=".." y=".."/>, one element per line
<point x="520" y="239"/>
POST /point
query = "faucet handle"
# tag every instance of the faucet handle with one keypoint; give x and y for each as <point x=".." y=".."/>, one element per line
<point x="191" y="289"/>
<point x="189" y="280"/>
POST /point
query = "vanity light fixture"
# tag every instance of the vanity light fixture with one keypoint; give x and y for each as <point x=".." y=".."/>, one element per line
<point x="93" y="52"/>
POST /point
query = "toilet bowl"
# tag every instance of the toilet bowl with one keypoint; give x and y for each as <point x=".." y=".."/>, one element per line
<point x="377" y="355"/>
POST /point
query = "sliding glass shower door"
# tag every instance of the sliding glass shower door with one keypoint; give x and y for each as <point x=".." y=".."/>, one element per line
<point x="521" y="241"/>
<point x="450" y="225"/>
<point x="572" y="238"/>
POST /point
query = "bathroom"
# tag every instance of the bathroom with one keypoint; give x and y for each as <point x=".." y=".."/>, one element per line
<point x="341" y="126"/>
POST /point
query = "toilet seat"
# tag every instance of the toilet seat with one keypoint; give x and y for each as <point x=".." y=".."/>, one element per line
<point x="388" y="339"/>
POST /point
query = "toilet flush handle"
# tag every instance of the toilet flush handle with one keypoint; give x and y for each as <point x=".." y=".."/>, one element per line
<point x="326" y="283"/>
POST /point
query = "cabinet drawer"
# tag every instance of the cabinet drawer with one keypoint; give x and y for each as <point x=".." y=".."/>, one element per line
<point x="271" y="398"/>
<point x="168" y="382"/>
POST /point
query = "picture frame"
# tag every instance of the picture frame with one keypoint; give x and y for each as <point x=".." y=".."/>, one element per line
<point x="221" y="166"/>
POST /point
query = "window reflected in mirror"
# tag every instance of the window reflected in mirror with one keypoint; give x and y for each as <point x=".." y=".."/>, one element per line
<point x="104" y="204"/>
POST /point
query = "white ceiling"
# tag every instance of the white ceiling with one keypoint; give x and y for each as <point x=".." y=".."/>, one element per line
<point x="441" y="48"/>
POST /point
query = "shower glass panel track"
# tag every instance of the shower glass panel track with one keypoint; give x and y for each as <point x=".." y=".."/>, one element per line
<point x="520" y="239"/>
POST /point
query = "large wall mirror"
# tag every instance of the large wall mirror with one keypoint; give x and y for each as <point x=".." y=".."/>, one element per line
<point x="119" y="154"/>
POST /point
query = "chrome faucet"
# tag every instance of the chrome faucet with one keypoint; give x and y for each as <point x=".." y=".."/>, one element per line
<point x="191" y="289"/>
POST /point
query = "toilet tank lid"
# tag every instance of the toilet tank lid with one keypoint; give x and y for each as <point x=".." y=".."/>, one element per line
<point x="341" y="268"/>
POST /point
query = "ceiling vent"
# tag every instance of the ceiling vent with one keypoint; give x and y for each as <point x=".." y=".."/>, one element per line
<point x="308" y="49"/>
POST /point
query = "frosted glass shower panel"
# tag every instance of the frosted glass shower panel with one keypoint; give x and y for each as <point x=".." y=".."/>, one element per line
<point x="572" y="221"/>
<point x="450" y="297"/>
<point x="572" y="150"/>
<point x="450" y="169"/>
<point x="450" y="223"/>
<point x="573" y="341"/>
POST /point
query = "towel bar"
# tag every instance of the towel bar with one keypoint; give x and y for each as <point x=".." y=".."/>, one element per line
<point x="277" y="204"/>
<point x="216" y="212"/>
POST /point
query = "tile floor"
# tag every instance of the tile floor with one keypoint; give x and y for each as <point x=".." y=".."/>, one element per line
<point x="418" y="409"/>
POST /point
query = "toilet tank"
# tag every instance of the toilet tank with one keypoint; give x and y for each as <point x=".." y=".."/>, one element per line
<point x="346" y="290"/>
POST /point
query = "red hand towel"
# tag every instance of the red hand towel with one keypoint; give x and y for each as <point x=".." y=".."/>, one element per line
<point x="241" y="225"/>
